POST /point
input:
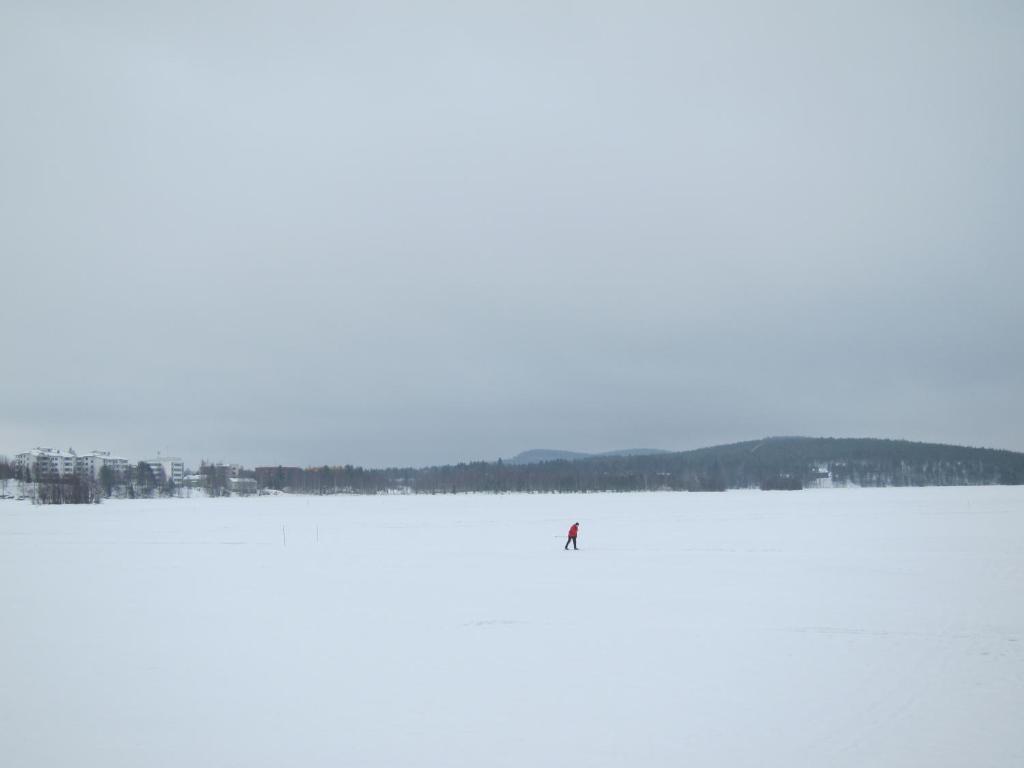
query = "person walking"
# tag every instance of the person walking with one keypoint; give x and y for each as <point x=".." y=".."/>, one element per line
<point x="572" y="536"/>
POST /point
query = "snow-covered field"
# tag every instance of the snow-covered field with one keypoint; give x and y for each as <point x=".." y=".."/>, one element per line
<point x="821" y="628"/>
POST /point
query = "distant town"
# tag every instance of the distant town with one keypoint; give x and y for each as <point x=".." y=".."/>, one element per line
<point x="50" y="475"/>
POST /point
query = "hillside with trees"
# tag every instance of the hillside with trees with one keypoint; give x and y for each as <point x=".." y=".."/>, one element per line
<point x="776" y="463"/>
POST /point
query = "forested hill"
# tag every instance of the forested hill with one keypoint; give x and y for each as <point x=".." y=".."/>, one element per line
<point x="538" y="455"/>
<point x="785" y="463"/>
<point x="795" y="462"/>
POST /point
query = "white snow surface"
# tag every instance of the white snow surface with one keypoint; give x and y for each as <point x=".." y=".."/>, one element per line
<point x="830" y="628"/>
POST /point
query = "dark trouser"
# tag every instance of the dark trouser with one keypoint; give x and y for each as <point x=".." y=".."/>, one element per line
<point x="573" y="540"/>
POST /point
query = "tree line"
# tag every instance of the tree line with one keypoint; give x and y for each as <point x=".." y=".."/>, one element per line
<point x="781" y="463"/>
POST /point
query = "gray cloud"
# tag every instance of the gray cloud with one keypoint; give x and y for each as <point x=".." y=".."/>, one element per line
<point x="394" y="233"/>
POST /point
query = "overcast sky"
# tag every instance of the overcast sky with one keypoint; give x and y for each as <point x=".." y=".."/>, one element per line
<point x="412" y="233"/>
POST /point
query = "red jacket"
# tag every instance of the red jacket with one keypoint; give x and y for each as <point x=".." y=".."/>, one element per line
<point x="572" y="531"/>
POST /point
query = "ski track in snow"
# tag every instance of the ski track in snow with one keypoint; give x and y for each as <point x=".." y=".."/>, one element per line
<point x="841" y="628"/>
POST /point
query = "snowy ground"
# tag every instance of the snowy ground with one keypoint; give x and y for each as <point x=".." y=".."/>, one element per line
<point x="820" y="628"/>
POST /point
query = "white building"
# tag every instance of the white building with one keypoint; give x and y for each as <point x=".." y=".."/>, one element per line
<point x="47" y="462"/>
<point x="91" y="463"/>
<point x="167" y="468"/>
<point x="50" y="462"/>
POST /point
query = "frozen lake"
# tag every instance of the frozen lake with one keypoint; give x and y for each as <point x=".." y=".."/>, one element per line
<point x="819" y="628"/>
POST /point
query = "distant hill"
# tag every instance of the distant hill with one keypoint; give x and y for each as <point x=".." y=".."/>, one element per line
<point x="538" y="455"/>
<point x="795" y="462"/>
<point x="772" y="463"/>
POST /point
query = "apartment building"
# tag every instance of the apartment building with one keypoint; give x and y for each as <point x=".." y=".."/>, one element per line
<point x="167" y="468"/>
<point x="91" y="463"/>
<point x="51" y="462"/>
<point x="47" y="462"/>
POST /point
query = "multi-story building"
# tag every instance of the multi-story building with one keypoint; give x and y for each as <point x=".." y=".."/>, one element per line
<point x="50" y="462"/>
<point x="91" y="463"/>
<point x="167" y="468"/>
<point x="47" y="462"/>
